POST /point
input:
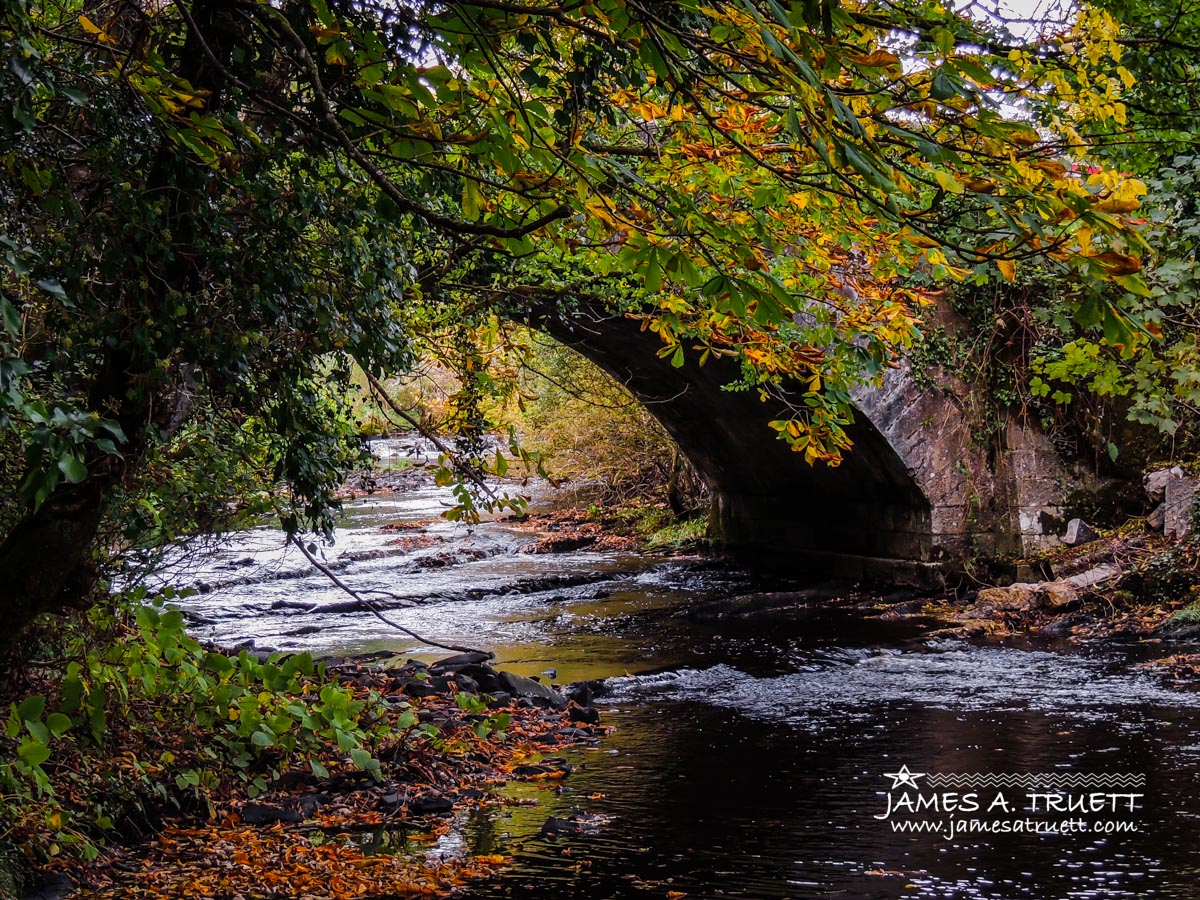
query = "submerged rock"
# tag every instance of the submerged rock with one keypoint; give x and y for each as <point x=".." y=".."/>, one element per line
<point x="555" y="827"/>
<point x="428" y="804"/>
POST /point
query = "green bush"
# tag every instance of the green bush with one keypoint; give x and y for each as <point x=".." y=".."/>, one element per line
<point x="135" y="715"/>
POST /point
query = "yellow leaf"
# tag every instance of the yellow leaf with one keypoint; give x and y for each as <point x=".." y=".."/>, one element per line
<point x="1026" y="137"/>
<point x="982" y="185"/>
<point x="1008" y="269"/>
<point x="1117" y="205"/>
<point x="920" y="240"/>
<point x="948" y="182"/>
<point x="1051" y="167"/>
<point x="89" y="26"/>
<point x="1084" y="236"/>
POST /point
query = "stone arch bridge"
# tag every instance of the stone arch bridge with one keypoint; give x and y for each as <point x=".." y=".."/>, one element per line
<point x="915" y="495"/>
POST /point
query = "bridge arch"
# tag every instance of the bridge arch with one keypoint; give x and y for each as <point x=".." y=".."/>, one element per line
<point x="916" y="492"/>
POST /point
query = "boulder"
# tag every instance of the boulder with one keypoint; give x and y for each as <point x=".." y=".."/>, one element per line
<point x="1093" y="577"/>
<point x="528" y="689"/>
<point x="466" y="684"/>
<point x="1156" y="482"/>
<point x="1178" y="506"/>
<point x="1058" y="595"/>
<point x="1079" y="532"/>
<point x="584" y="692"/>
<point x="310" y="802"/>
<point x="484" y="676"/>
<point x="414" y="688"/>
<point x="589" y="715"/>
<point x="452" y="663"/>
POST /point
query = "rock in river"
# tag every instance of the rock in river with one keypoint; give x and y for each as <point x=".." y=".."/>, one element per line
<point x="528" y="689"/>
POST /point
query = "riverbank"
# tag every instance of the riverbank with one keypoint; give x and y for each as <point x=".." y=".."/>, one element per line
<point x="165" y="804"/>
<point x="1132" y="583"/>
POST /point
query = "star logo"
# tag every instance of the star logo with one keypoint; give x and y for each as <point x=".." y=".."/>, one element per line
<point x="904" y="778"/>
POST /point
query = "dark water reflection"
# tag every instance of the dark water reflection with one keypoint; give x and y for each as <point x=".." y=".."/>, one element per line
<point x="757" y="772"/>
<point x="707" y="802"/>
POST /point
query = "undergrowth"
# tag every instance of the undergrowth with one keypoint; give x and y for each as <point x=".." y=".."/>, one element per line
<point x="123" y="720"/>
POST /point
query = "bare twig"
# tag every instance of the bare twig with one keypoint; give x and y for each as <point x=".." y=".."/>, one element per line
<point x="371" y="607"/>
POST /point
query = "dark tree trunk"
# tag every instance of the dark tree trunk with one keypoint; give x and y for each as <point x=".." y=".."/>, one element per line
<point x="48" y="561"/>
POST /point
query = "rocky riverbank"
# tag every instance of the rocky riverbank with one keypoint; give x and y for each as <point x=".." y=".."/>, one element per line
<point x="337" y="830"/>
<point x="1138" y="581"/>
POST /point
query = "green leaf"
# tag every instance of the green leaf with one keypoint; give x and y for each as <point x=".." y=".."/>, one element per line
<point x="58" y="724"/>
<point x="943" y="39"/>
<point x="33" y="754"/>
<point x="944" y="86"/>
<point x="975" y="71"/>
<point x="10" y="317"/>
<point x="362" y="759"/>
<point x="652" y="272"/>
<point x="867" y="169"/>
<point x="31" y="707"/>
<point x="40" y="733"/>
<point x="50" y="286"/>
<point x="72" y="468"/>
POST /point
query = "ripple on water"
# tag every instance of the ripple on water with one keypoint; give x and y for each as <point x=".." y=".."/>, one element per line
<point x="833" y="686"/>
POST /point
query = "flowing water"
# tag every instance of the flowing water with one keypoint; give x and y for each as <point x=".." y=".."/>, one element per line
<point x="751" y="749"/>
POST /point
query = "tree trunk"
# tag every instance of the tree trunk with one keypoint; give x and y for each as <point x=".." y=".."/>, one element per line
<point x="48" y="561"/>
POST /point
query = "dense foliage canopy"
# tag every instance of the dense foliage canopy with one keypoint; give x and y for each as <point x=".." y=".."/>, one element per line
<point x="213" y="208"/>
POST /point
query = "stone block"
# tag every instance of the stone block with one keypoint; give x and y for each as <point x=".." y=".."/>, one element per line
<point x="1060" y="594"/>
<point x="1177" y="507"/>
<point x="1155" y="482"/>
<point x="1157" y="518"/>
<point x="1079" y="532"/>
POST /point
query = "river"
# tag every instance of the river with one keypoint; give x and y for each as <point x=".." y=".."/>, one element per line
<point x="757" y="751"/>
